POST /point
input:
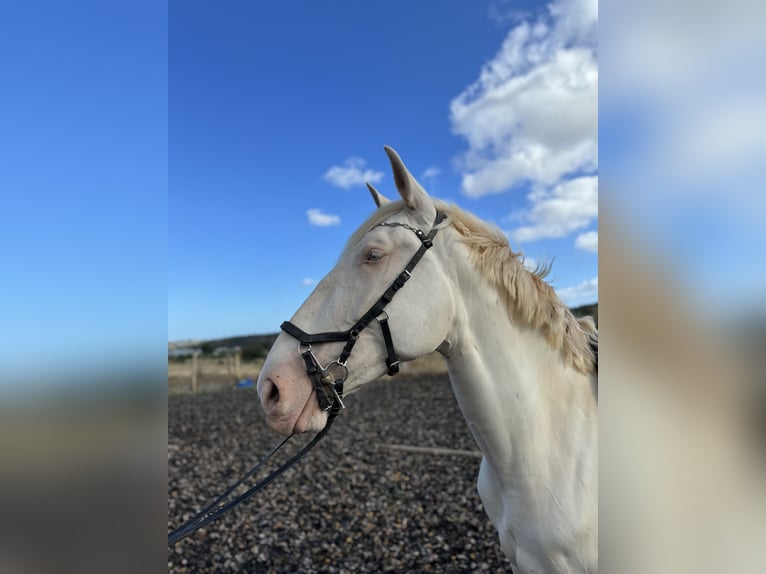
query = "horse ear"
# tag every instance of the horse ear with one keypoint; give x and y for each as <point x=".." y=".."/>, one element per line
<point x="415" y="197"/>
<point x="377" y="197"/>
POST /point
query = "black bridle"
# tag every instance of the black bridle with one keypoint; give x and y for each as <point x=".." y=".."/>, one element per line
<point x="321" y="377"/>
<point x="334" y="375"/>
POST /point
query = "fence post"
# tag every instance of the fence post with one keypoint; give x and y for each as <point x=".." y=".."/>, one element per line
<point x="194" y="370"/>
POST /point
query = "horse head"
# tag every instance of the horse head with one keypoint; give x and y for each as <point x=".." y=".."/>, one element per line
<point x="376" y="263"/>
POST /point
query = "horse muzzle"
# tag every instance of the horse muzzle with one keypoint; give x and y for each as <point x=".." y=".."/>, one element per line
<point x="288" y="400"/>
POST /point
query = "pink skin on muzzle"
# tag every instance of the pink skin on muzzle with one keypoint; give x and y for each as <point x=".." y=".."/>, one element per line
<point x="287" y="397"/>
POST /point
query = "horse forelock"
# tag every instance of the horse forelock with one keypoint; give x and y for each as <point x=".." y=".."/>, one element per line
<point x="529" y="299"/>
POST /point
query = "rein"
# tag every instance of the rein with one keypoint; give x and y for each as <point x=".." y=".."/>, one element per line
<point x="218" y="507"/>
<point x="334" y="375"/>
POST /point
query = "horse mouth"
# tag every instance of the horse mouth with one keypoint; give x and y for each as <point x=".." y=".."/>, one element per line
<point x="281" y="424"/>
<point x="310" y="418"/>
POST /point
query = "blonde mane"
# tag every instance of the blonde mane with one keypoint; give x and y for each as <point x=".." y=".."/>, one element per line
<point x="529" y="300"/>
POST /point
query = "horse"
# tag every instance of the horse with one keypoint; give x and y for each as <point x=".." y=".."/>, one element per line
<point x="522" y="367"/>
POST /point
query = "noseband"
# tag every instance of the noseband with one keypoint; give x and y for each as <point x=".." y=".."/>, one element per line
<point x="335" y="374"/>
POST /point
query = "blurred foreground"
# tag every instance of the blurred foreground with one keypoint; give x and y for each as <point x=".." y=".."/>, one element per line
<point x="682" y="412"/>
<point x="83" y="476"/>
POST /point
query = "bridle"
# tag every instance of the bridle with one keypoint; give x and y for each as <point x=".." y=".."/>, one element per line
<point x="322" y="378"/>
<point x="328" y="381"/>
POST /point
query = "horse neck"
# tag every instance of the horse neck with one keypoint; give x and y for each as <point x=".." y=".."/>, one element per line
<point x="521" y="401"/>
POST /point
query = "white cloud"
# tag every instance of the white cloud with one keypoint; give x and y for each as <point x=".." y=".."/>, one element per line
<point x="503" y="12"/>
<point x="320" y="219"/>
<point x="352" y="173"/>
<point x="532" y="115"/>
<point x="559" y="211"/>
<point x="529" y="263"/>
<point x="587" y="241"/>
<point x="585" y="292"/>
<point x="431" y="172"/>
<point x="308" y="281"/>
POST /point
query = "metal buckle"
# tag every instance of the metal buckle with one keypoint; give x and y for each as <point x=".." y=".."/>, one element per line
<point x="327" y="377"/>
<point x="337" y="396"/>
<point x="337" y="379"/>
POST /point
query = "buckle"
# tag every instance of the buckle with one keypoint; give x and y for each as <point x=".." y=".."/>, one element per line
<point x="401" y="279"/>
<point x="424" y="238"/>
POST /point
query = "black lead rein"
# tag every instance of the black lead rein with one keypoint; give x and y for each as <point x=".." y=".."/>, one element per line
<point x="216" y="508"/>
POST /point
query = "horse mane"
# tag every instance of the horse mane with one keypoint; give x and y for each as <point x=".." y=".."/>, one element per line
<point x="529" y="299"/>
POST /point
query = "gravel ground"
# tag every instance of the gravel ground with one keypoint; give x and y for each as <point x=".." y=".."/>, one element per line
<point x="351" y="505"/>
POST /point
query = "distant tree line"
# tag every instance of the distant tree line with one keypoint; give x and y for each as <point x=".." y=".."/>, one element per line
<point x="253" y="346"/>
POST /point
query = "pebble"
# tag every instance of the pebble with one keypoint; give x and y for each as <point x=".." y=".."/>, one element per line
<point x="350" y="505"/>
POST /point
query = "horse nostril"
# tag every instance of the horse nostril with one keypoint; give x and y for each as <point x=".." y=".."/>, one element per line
<point x="272" y="395"/>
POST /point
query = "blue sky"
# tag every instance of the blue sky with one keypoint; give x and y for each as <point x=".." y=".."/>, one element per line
<point x="158" y="162"/>
<point x="266" y="99"/>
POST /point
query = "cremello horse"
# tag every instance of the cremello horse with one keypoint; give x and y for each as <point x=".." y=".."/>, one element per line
<point x="522" y="367"/>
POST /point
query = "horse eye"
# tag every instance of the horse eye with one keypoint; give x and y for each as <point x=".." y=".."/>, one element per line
<point x="374" y="255"/>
